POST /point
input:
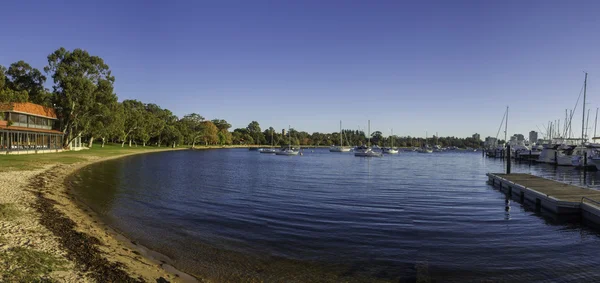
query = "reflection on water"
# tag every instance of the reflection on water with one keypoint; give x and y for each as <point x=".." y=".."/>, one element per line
<point x="239" y="215"/>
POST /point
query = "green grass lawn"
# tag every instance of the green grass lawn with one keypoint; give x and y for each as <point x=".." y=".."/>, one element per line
<point x="14" y="162"/>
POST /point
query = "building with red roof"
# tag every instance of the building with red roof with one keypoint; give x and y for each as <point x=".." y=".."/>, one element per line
<point x="29" y="128"/>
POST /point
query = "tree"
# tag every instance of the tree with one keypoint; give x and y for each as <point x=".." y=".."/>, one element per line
<point x="254" y="131"/>
<point x="221" y="124"/>
<point x="132" y="115"/>
<point x="25" y="78"/>
<point x="209" y="132"/>
<point x="170" y="120"/>
<point x="172" y="135"/>
<point x="7" y="94"/>
<point x="192" y="123"/>
<point x="83" y="84"/>
<point x="112" y="125"/>
<point x="153" y="122"/>
<point x="225" y="137"/>
<point x="108" y="122"/>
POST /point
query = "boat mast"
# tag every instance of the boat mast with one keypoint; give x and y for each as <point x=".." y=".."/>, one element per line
<point x="289" y="138"/>
<point x="506" y="127"/>
<point x="393" y="134"/>
<point x="341" y="142"/>
<point x="595" y="123"/>
<point x="587" y="122"/>
<point x="570" y="121"/>
<point x="583" y="118"/>
<point x="369" y="135"/>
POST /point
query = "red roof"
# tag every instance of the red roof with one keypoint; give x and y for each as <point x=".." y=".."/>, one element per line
<point x="29" y="108"/>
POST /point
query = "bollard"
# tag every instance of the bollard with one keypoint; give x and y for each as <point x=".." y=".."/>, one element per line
<point x="508" y="159"/>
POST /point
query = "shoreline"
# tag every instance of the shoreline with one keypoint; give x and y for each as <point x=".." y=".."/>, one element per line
<point x="72" y="234"/>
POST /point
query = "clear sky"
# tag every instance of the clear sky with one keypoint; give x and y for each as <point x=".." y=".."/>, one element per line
<point x="439" y="66"/>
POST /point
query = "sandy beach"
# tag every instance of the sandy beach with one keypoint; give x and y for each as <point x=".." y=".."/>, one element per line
<point x="46" y="234"/>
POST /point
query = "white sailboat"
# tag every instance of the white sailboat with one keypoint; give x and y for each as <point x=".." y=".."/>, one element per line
<point x="367" y="151"/>
<point x="390" y="150"/>
<point x="341" y="147"/>
<point x="288" y="151"/>
<point x="269" y="150"/>
<point x="425" y="148"/>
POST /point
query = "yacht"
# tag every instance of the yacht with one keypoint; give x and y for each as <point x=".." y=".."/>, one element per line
<point x="269" y="150"/>
<point x="288" y="151"/>
<point x="367" y="151"/>
<point x="564" y="155"/>
<point x="425" y="147"/>
<point x="341" y="147"/>
<point x="589" y="151"/>
<point x="391" y="149"/>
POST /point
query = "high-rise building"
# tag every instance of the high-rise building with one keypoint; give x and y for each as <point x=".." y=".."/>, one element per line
<point x="519" y="137"/>
<point x="533" y="137"/>
<point x="476" y="137"/>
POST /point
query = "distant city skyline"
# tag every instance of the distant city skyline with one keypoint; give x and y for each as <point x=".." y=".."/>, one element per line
<point x="449" y="67"/>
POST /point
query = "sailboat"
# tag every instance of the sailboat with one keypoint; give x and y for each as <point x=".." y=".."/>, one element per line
<point x="390" y="150"/>
<point x="425" y="148"/>
<point x="269" y="150"/>
<point x="341" y="147"/>
<point x="367" y="151"/>
<point x="289" y="150"/>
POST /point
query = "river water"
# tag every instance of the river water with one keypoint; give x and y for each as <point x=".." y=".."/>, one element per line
<point x="238" y="215"/>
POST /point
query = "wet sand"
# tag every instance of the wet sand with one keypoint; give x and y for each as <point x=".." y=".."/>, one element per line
<point x="40" y="216"/>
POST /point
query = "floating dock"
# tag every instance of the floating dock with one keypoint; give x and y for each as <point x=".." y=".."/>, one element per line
<point x="557" y="197"/>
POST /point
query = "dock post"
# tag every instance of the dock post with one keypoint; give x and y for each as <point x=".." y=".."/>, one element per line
<point x="508" y="159"/>
<point x="584" y="160"/>
<point x="555" y="157"/>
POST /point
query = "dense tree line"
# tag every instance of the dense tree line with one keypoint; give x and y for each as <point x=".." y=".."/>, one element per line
<point x="87" y="106"/>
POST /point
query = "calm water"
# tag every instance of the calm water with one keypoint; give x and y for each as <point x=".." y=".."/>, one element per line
<point x="237" y="215"/>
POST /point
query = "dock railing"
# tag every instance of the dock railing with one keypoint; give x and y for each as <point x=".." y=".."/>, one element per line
<point x="594" y="202"/>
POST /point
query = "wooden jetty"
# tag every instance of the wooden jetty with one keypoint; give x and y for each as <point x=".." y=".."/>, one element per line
<point x="557" y="197"/>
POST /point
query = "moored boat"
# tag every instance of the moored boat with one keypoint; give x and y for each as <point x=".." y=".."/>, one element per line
<point x="288" y="151"/>
<point x="367" y="151"/>
<point x="391" y="149"/>
<point x="341" y="147"/>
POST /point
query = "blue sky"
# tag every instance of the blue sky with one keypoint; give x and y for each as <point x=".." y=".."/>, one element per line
<point x="439" y="66"/>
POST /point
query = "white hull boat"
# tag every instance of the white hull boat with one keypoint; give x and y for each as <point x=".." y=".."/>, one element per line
<point x="339" y="149"/>
<point x="267" y="150"/>
<point x="564" y="160"/>
<point x="287" y="151"/>
<point x="367" y="153"/>
<point x="390" y="151"/>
